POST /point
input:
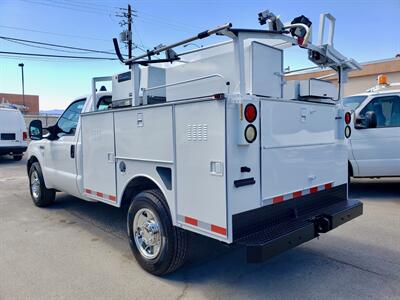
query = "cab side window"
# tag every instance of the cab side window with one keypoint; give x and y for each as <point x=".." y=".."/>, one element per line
<point x="104" y="103"/>
<point x="69" y="119"/>
<point x="387" y="110"/>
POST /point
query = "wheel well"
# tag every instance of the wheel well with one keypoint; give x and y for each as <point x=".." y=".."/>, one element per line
<point x="351" y="173"/>
<point x="30" y="162"/>
<point x="135" y="186"/>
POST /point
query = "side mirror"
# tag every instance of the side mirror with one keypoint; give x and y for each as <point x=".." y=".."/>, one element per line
<point x="367" y="121"/>
<point x="36" y="130"/>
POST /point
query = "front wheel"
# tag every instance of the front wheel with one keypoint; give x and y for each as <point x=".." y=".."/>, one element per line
<point x="41" y="196"/>
<point x="158" y="246"/>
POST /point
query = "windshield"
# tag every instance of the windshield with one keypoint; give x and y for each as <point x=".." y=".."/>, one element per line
<point x="353" y="102"/>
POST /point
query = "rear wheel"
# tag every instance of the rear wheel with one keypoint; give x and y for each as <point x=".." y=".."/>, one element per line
<point x="41" y="196"/>
<point x="158" y="246"/>
<point x="17" y="157"/>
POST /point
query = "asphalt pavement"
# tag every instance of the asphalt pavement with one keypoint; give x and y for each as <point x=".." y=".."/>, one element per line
<point x="79" y="250"/>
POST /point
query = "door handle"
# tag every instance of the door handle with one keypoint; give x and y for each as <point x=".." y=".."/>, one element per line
<point x="72" y="151"/>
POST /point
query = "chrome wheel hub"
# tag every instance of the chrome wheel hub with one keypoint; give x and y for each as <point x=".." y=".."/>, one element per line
<point x="35" y="184"/>
<point x="147" y="234"/>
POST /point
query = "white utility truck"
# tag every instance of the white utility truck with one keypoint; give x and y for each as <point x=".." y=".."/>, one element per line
<point x="211" y="141"/>
<point x="374" y="122"/>
<point x="13" y="133"/>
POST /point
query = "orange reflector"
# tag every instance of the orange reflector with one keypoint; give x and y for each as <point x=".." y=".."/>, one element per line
<point x="382" y="79"/>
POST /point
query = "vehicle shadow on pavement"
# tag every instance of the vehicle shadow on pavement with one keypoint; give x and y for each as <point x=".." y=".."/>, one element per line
<point x="375" y="189"/>
<point x="7" y="160"/>
<point x="113" y="220"/>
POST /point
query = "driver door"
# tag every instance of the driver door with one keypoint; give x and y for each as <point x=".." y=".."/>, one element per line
<point x="60" y="154"/>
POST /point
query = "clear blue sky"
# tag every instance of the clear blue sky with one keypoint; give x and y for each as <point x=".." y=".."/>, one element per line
<point x="365" y="30"/>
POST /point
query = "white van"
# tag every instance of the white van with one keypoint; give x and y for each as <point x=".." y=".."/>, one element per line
<point x="374" y="125"/>
<point x="13" y="134"/>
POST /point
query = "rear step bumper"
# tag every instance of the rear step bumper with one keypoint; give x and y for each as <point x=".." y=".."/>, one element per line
<point x="275" y="239"/>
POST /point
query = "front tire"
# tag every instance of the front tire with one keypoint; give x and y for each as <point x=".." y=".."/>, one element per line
<point x="158" y="246"/>
<point x="41" y="196"/>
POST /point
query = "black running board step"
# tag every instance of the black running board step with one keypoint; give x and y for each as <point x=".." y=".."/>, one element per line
<point x="273" y="240"/>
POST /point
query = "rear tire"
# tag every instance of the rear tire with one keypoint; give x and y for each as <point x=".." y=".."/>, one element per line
<point x="17" y="157"/>
<point x="41" y="196"/>
<point x="158" y="246"/>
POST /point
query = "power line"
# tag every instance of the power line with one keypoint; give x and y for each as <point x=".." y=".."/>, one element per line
<point x="56" y="56"/>
<point x="54" y="33"/>
<point x="56" y="45"/>
<point x="81" y="5"/>
<point x="47" y="48"/>
<point x="65" y="7"/>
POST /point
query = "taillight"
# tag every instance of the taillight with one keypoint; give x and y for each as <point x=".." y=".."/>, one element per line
<point x="250" y="133"/>
<point x="250" y="113"/>
<point x="25" y="136"/>
<point x="347" y="118"/>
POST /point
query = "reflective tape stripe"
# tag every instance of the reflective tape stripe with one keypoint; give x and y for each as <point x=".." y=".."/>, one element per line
<point x="277" y="199"/>
<point x="217" y="229"/>
<point x="191" y="221"/>
<point x="100" y="195"/>
<point x="203" y="225"/>
<point x="297" y="194"/>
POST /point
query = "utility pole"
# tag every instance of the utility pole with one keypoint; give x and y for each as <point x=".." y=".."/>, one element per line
<point x="127" y="20"/>
<point x="129" y="31"/>
<point x="23" y="83"/>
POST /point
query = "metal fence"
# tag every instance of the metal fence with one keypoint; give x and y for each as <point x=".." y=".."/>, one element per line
<point x="47" y="120"/>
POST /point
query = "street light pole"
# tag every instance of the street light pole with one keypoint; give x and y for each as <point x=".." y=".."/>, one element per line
<point x="23" y="83"/>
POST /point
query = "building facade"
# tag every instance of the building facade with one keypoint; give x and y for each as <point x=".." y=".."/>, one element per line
<point x="31" y="102"/>
<point x="358" y="81"/>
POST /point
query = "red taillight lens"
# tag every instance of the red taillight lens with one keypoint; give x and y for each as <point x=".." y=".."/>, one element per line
<point x="25" y="135"/>
<point x="347" y="117"/>
<point x="250" y="113"/>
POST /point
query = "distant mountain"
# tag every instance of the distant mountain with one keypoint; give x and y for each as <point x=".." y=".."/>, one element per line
<point x="51" y="112"/>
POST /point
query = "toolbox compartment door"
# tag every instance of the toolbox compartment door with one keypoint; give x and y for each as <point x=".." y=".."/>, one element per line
<point x="99" y="157"/>
<point x="298" y="149"/>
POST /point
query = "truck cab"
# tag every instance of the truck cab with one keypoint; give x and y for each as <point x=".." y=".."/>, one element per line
<point x="59" y="152"/>
<point x="374" y="144"/>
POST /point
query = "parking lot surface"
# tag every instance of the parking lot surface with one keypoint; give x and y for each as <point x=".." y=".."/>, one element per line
<point x="79" y="250"/>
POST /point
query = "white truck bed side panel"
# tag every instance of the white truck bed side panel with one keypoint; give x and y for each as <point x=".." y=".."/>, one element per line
<point x="98" y="157"/>
<point x="296" y="123"/>
<point x="201" y="173"/>
<point x="292" y="169"/>
<point x="135" y="169"/>
<point x="145" y="134"/>
<point x="299" y="150"/>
